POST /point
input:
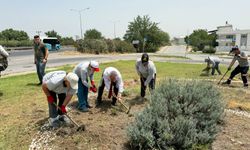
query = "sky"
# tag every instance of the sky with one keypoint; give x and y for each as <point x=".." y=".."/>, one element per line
<point x="177" y="17"/>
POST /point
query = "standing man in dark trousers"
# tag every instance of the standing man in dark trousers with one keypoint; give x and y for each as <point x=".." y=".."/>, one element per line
<point x="146" y="70"/>
<point x="242" y="68"/>
<point x="40" y="57"/>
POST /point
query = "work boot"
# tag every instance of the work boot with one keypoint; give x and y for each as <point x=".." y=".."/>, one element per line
<point x="98" y="103"/>
<point x="64" y="119"/>
<point x="141" y="99"/>
<point x="245" y="85"/>
<point x="113" y="102"/>
<point x="227" y="82"/>
<point x="54" y="122"/>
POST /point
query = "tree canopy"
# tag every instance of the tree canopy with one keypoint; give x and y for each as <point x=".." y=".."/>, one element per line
<point x="10" y="34"/>
<point x="93" y="34"/>
<point x="147" y="32"/>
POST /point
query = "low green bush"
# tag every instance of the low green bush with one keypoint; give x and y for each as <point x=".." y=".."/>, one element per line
<point x="209" y="50"/>
<point x="14" y="43"/>
<point x="92" y="46"/>
<point x="104" y="46"/>
<point x="181" y="115"/>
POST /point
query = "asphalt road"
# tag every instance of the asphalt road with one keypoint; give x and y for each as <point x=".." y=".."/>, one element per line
<point x="23" y="60"/>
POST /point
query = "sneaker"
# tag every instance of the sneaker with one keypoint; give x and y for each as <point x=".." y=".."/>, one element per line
<point x="40" y="83"/>
<point x="88" y="106"/>
<point x="83" y="109"/>
<point x="226" y="82"/>
<point x="245" y="85"/>
<point x="64" y="119"/>
<point x="54" y="122"/>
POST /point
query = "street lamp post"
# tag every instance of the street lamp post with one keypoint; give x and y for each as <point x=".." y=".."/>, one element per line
<point x="80" y="15"/>
<point x="114" y="22"/>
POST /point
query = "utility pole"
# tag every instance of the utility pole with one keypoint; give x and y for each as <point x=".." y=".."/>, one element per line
<point x="114" y="22"/>
<point x="80" y="16"/>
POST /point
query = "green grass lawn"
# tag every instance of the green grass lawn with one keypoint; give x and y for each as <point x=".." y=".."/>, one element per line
<point x="21" y="99"/>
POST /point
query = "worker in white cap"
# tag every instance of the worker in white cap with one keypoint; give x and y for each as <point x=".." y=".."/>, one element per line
<point x="61" y="85"/>
<point x="112" y="80"/>
<point x="85" y="71"/>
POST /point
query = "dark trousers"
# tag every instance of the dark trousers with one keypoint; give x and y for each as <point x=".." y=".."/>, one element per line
<point x="53" y="111"/>
<point x="243" y="71"/>
<point x="113" y="89"/>
<point x="216" y="67"/>
<point x="82" y="95"/>
<point x="40" y="69"/>
<point x="151" y="85"/>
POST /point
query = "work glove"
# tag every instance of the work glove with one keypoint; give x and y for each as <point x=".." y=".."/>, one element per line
<point x="63" y="109"/>
<point x="93" y="83"/>
<point x="50" y="99"/>
<point x="93" y="89"/>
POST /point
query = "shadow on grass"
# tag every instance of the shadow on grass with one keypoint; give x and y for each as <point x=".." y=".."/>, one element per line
<point x="1" y="94"/>
<point x="32" y="84"/>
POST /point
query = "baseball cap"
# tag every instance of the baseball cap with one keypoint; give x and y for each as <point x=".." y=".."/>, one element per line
<point x="95" y="65"/>
<point x="233" y="49"/>
<point x="73" y="80"/>
<point x="144" y="58"/>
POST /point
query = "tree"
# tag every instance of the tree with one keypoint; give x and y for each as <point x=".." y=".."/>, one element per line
<point x="53" y="33"/>
<point x="67" y="41"/>
<point x="93" y="34"/>
<point x="200" y="38"/>
<point x="10" y="34"/>
<point x="150" y="36"/>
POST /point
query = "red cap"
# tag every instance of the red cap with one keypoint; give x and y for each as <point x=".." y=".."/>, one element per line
<point x="96" y="69"/>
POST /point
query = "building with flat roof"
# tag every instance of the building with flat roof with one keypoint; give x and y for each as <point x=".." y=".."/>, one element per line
<point x="227" y="38"/>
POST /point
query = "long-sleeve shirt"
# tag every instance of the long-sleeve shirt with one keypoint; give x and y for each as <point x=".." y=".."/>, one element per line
<point x="147" y="71"/>
<point x="213" y="60"/>
<point x="106" y="77"/>
<point x="83" y="71"/>
<point x="242" y="62"/>
<point x="54" y="81"/>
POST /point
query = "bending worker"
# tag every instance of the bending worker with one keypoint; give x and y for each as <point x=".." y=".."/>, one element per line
<point x="112" y="80"/>
<point x="242" y="68"/>
<point x="146" y="70"/>
<point x="85" y="72"/>
<point x="61" y="85"/>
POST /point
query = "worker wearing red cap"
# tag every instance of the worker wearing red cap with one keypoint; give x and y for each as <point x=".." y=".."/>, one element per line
<point x="85" y="72"/>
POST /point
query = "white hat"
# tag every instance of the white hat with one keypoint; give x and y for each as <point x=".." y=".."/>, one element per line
<point x="95" y="65"/>
<point x="73" y="80"/>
